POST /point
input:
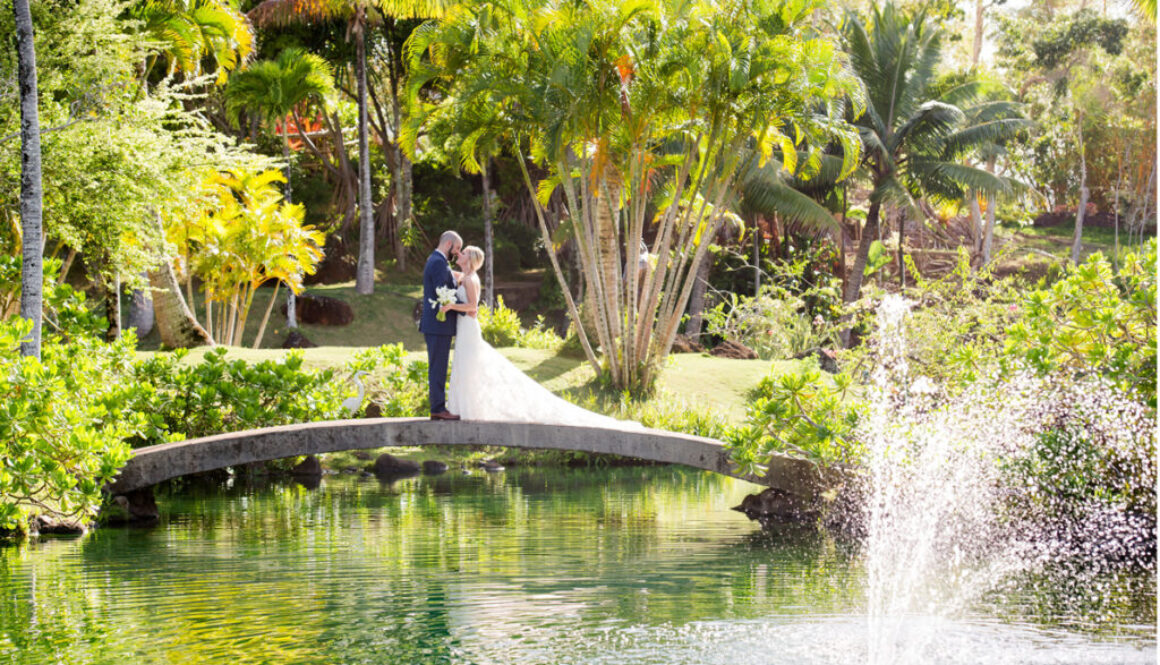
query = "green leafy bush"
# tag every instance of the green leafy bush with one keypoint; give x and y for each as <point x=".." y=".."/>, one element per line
<point x="1095" y="320"/>
<point x="219" y="395"/>
<point x="500" y="326"/>
<point x="397" y="387"/>
<point x="806" y="414"/>
<point x="63" y="424"/>
<point x="774" y="324"/>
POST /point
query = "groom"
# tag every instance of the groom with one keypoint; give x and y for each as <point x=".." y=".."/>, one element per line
<point x="438" y="333"/>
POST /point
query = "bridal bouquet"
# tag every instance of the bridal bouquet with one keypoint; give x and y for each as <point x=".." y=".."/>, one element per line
<point x="443" y="296"/>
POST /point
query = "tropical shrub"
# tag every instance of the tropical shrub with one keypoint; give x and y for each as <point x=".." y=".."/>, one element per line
<point x="1095" y="320"/>
<point x="806" y="414"/>
<point x="66" y="312"/>
<point x="63" y="424"/>
<point x="218" y="395"/>
<point x="398" y="388"/>
<point x="500" y="326"/>
<point x="775" y="324"/>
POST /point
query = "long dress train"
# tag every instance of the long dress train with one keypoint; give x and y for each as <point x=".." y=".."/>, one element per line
<point x="487" y="386"/>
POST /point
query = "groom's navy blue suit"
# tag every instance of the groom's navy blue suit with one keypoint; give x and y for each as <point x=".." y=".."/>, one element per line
<point x="438" y="333"/>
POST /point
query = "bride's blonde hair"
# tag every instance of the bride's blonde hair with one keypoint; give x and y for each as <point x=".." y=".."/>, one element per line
<point x="473" y="254"/>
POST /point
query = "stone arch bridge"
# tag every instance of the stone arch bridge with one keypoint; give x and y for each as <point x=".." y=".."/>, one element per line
<point x="154" y="464"/>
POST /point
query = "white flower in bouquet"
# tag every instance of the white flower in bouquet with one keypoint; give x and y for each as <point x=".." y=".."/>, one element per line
<point x="443" y="296"/>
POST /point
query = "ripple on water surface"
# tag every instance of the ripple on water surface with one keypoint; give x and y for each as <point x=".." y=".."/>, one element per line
<point x="610" y="566"/>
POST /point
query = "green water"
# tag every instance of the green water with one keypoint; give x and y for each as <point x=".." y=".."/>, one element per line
<point x="638" y="565"/>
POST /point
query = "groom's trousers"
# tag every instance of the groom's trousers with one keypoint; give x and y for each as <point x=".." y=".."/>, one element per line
<point x="438" y="353"/>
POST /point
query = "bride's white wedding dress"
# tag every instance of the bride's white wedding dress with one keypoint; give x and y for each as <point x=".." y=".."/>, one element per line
<point x="486" y="386"/>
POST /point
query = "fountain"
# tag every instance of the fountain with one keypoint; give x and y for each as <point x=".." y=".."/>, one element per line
<point x="966" y="495"/>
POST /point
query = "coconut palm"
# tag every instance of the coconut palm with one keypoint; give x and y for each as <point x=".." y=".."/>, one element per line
<point x="191" y="31"/>
<point x="31" y="193"/>
<point x="914" y="138"/>
<point x="358" y="14"/>
<point x="278" y="89"/>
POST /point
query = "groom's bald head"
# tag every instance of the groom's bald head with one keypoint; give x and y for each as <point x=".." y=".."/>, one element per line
<point x="450" y="240"/>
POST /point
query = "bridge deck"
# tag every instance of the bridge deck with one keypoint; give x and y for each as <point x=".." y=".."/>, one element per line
<point x="153" y="464"/>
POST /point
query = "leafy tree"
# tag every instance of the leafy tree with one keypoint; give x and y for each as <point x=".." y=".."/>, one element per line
<point x="643" y="114"/>
<point x="914" y="135"/>
<point x="281" y="88"/>
<point x="358" y="14"/>
<point x="246" y="237"/>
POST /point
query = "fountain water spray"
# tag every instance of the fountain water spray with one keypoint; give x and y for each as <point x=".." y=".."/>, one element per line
<point x="967" y="492"/>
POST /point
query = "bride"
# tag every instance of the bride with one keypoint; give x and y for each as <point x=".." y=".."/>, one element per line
<point x="486" y="386"/>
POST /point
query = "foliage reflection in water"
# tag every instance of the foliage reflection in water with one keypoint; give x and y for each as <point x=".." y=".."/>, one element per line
<point x="642" y="565"/>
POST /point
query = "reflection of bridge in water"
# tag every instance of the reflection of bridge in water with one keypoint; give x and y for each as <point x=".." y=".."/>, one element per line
<point x="153" y="464"/>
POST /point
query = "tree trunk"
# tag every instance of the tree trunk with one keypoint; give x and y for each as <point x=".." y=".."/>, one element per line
<point x="976" y="221"/>
<point x="756" y="260"/>
<point x="140" y="316"/>
<point x="978" y="45"/>
<point x="404" y="184"/>
<point x="266" y="316"/>
<point x="365" y="276"/>
<point x="901" y="248"/>
<point x="1077" y="242"/>
<point x="697" y="298"/>
<point x="488" y="239"/>
<point x="869" y="235"/>
<point x="31" y="192"/>
<point x="989" y="234"/>
<point x="175" y="322"/>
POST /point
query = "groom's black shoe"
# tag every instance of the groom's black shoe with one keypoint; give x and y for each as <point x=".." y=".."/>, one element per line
<point x="444" y="415"/>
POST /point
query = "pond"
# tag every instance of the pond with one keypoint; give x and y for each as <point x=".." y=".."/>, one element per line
<point x="626" y="565"/>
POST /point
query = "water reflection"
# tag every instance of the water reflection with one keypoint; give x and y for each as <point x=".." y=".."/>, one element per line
<point x="620" y="565"/>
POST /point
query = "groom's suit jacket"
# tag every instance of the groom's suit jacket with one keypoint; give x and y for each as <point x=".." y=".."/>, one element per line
<point x="436" y="273"/>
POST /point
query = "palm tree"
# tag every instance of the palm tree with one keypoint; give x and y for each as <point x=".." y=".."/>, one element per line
<point x="280" y="88"/>
<point x="31" y="193"/>
<point x="190" y="31"/>
<point x="913" y="139"/>
<point x="277" y="89"/>
<point x="358" y="14"/>
<point x="642" y="114"/>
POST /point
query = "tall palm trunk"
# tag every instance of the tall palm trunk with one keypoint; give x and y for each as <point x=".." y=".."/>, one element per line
<point x="31" y="192"/>
<point x="697" y="300"/>
<point x="488" y="238"/>
<point x="869" y="235"/>
<point x="365" y="277"/>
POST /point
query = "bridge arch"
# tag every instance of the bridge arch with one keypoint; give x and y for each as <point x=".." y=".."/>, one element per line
<point x="154" y="464"/>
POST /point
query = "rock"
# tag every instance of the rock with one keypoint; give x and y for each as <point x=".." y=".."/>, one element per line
<point x="773" y="506"/>
<point x="137" y="506"/>
<point x="296" y="340"/>
<point x="734" y="350"/>
<point x="307" y="467"/>
<point x="828" y="360"/>
<point x="43" y="524"/>
<point x="373" y="410"/>
<point x="322" y="310"/>
<point x="684" y="344"/>
<point x="362" y="454"/>
<point x="490" y="465"/>
<point x="434" y="467"/>
<point x="389" y="465"/>
<point x="350" y="469"/>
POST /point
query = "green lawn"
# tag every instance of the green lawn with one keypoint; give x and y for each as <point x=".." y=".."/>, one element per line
<point x="701" y="380"/>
